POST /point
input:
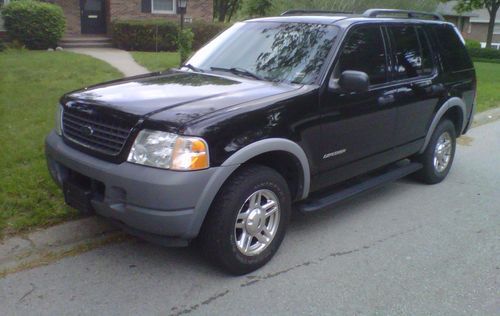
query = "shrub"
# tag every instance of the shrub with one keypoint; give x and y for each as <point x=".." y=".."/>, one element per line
<point x="472" y="43"/>
<point x="147" y="35"/>
<point x="205" y="31"/>
<point x="37" y="25"/>
<point x="484" y="54"/>
<point x="185" y="42"/>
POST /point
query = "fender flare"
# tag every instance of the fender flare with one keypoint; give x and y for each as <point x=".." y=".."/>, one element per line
<point x="223" y="172"/>
<point x="452" y="102"/>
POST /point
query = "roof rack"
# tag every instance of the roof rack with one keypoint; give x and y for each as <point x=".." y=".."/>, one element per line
<point x="305" y="11"/>
<point x="373" y="13"/>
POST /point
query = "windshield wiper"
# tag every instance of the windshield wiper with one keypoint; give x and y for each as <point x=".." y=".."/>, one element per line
<point x="193" y="68"/>
<point x="238" y="71"/>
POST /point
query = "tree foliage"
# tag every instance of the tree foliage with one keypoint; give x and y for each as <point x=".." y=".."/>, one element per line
<point x="225" y="9"/>
<point x="353" y="5"/>
<point x="257" y="7"/>
<point x="491" y="5"/>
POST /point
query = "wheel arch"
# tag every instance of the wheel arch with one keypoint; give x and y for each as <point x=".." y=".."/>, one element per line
<point x="455" y="110"/>
<point x="276" y="148"/>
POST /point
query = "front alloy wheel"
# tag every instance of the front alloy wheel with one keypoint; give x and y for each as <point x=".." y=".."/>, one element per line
<point x="257" y="222"/>
<point x="247" y="220"/>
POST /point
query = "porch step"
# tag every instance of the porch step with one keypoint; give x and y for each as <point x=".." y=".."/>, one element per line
<point x="86" y="42"/>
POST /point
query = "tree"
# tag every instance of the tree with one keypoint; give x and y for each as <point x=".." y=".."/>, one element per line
<point x="224" y="9"/>
<point x="258" y="7"/>
<point x="490" y="5"/>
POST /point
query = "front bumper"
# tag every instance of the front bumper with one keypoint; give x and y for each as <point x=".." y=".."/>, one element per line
<point x="144" y="199"/>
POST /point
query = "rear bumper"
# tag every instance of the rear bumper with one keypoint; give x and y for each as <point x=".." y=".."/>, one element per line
<point x="150" y="200"/>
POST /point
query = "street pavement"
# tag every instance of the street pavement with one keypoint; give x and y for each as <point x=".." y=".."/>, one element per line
<point x="403" y="249"/>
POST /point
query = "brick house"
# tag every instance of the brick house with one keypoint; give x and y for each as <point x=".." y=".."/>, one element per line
<point x="94" y="16"/>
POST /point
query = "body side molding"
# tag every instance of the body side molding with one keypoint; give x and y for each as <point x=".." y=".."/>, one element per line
<point x="452" y="102"/>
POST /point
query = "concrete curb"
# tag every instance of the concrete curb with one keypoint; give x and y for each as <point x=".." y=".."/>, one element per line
<point x="486" y="117"/>
<point x="24" y="250"/>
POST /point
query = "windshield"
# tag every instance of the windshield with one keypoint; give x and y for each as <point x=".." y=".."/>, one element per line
<point x="275" y="51"/>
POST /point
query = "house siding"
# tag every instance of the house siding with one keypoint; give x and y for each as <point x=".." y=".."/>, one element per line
<point x="71" y="9"/>
<point x="131" y="9"/>
<point x="479" y="31"/>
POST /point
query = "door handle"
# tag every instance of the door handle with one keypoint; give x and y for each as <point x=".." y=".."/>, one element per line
<point x="421" y="84"/>
<point x="386" y="99"/>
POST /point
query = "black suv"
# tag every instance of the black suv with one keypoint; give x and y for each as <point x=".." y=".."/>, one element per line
<point x="300" y="110"/>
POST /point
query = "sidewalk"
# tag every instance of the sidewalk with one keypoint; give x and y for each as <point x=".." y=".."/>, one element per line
<point x="120" y="59"/>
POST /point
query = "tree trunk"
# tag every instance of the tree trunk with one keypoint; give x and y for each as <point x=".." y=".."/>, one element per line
<point x="491" y="24"/>
<point x="222" y="10"/>
<point x="234" y="5"/>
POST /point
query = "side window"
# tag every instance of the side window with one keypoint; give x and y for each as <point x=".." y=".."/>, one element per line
<point x="427" y="63"/>
<point x="364" y="51"/>
<point x="412" y="52"/>
<point x="453" y="53"/>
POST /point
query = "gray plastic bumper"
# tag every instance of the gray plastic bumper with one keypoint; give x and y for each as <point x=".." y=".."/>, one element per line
<point x="156" y="201"/>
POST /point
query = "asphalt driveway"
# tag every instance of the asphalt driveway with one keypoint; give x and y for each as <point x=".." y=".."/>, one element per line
<point x="405" y="249"/>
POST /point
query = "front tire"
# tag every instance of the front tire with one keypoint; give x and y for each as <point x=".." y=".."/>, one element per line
<point x="439" y="154"/>
<point x="247" y="220"/>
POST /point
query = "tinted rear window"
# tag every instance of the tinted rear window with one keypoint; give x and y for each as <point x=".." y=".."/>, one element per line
<point x="411" y="49"/>
<point x="453" y="53"/>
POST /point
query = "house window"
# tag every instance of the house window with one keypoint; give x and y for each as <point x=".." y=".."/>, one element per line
<point x="163" y="6"/>
<point x="496" y="30"/>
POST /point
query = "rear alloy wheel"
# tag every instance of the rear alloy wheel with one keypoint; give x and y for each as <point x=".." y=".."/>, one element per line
<point x="438" y="156"/>
<point x="247" y="220"/>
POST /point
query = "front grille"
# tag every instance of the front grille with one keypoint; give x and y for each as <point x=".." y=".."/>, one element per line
<point x="95" y="131"/>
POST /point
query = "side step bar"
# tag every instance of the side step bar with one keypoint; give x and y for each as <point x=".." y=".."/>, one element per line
<point x="328" y="200"/>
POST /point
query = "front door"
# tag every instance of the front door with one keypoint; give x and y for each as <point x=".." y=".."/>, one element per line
<point x="357" y="126"/>
<point x="93" y="16"/>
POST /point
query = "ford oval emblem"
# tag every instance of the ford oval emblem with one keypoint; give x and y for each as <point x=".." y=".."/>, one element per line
<point x="87" y="130"/>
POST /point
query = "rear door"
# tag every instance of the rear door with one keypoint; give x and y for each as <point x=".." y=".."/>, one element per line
<point x="414" y="78"/>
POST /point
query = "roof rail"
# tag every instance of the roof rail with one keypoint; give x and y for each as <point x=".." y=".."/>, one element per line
<point x="373" y="13"/>
<point x="305" y="11"/>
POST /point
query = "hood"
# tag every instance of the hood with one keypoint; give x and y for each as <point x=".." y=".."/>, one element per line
<point x="182" y="96"/>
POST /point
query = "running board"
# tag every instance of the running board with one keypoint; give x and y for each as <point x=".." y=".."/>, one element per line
<point x="328" y="200"/>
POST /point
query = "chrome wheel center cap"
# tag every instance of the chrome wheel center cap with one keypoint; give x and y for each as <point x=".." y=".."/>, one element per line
<point x="254" y="221"/>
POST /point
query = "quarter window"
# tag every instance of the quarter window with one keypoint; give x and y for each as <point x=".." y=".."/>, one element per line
<point x="364" y="51"/>
<point x="412" y="52"/>
<point x="453" y="53"/>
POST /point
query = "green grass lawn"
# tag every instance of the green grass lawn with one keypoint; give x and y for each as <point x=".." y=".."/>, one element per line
<point x="488" y="85"/>
<point x="31" y="83"/>
<point x="157" y="61"/>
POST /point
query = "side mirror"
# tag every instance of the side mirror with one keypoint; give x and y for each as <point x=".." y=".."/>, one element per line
<point x="354" y="81"/>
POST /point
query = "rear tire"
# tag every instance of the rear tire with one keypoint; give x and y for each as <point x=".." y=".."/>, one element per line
<point x="247" y="220"/>
<point x="438" y="156"/>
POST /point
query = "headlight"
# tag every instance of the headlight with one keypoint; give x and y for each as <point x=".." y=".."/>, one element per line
<point x="58" y="125"/>
<point x="169" y="151"/>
